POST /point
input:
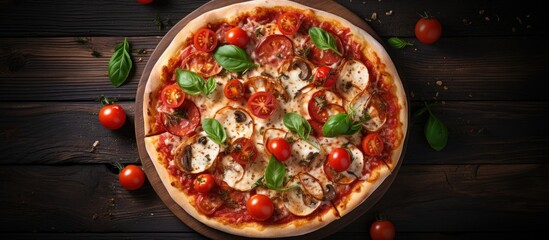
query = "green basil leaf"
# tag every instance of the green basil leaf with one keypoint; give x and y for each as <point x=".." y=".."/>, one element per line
<point x="233" y="58"/>
<point x="275" y="174"/>
<point x="399" y="43"/>
<point x="190" y="82"/>
<point x="323" y="40"/>
<point x="297" y="124"/>
<point x="120" y="64"/>
<point x="215" y="130"/>
<point x="436" y="133"/>
<point x="340" y="124"/>
<point x="210" y="86"/>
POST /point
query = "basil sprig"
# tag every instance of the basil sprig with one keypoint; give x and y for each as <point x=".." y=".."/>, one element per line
<point x="323" y="40"/>
<point x="399" y="43"/>
<point x="233" y="58"/>
<point x="215" y="131"/>
<point x="193" y="83"/>
<point x="297" y="124"/>
<point x="120" y="63"/>
<point x="340" y="124"/>
<point x="275" y="174"/>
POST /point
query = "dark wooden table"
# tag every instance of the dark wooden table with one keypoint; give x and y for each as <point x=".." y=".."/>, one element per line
<point x="488" y="74"/>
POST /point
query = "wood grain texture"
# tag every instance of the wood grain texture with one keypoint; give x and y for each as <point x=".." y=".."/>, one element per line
<point x="423" y="199"/>
<point x="61" y="69"/>
<point x="478" y="132"/>
<point x="127" y="18"/>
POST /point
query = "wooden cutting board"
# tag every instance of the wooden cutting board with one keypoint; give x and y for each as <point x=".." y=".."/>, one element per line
<point x="154" y="179"/>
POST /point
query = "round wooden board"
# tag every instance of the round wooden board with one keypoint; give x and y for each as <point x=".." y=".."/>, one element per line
<point x="152" y="175"/>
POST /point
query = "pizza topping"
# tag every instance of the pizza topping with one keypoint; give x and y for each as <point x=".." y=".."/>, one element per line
<point x="339" y="159"/>
<point x="297" y="124"/>
<point x="204" y="183"/>
<point x="288" y="23"/>
<point x="274" y="50"/>
<point x="227" y="117"/>
<point x="330" y="192"/>
<point x="311" y="185"/>
<point x="253" y="172"/>
<point x="321" y="105"/>
<point x="298" y="201"/>
<point x="375" y="114"/>
<point x="272" y="133"/>
<point x="275" y="174"/>
<point x="305" y="69"/>
<point x="194" y="84"/>
<point x="237" y="36"/>
<point x="201" y="63"/>
<point x="280" y="148"/>
<point x="208" y="203"/>
<point x="215" y="130"/>
<point x="172" y="96"/>
<point x="233" y="58"/>
<point x="260" y="207"/>
<point x="232" y="171"/>
<point x="304" y="156"/>
<point x="193" y="157"/>
<point x="324" y="40"/>
<point x="340" y="124"/>
<point x="234" y="90"/>
<point x="243" y="150"/>
<point x="262" y="104"/>
<point x="355" y="73"/>
<point x="353" y="171"/>
<point x="325" y="76"/>
<point x="184" y="119"/>
<point x="317" y="127"/>
<point x="205" y="40"/>
<point x="372" y="144"/>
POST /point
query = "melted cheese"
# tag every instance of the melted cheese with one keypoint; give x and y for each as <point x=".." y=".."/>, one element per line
<point x="227" y="117"/>
<point x="252" y="172"/>
<point x="232" y="171"/>
<point x="298" y="201"/>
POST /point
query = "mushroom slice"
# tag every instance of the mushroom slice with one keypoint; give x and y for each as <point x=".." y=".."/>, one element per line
<point x="271" y="133"/>
<point x="311" y="185"/>
<point x="304" y="155"/>
<point x="356" y="73"/>
<point x="377" y="114"/>
<point x="253" y="171"/>
<point x="195" y="155"/>
<point x="232" y="171"/>
<point x="304" y="68"/>
<point x="297" y="76"/>
<point x="347" y="90"/>
<point x="236" y="121"/>
<point x="298" y="201"/>
<point x="265" y="84"/>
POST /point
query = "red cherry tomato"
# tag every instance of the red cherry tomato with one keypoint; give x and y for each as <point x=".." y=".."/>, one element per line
<point x="237" y="36"/>
<point x="205" y="40"/>
<point x="339" y="159"/>
<point x="234" y="90"/>
<point x="262" y="104"/>
<point x="208" y="203"/>
<point x="320" y="109"/>
<point x="243" y="150"/>
<point x="260" y="207"/>
<point x="204" y="183"/>
<point x="382" y="230"/>
<point x="112" y="116"/>
<point x="131" y="177"/>
<point x="324" y="76"/>
<point x="274" y="45"/>
<point x="317" y="127"/>
<point x="280" y="148"/>
<point x="288" y="23"/>
<point x="172" y="96"/>
<point x="428" y="30"/>
<point x="145" y="1"/>
<point x="372" y="144"/>
<point x="184" y="119"/>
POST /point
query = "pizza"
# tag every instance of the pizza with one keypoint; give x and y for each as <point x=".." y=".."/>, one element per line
<point x="273" y="119"/>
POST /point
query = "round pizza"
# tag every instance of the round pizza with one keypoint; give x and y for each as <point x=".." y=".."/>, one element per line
<point x="273" y="119"/>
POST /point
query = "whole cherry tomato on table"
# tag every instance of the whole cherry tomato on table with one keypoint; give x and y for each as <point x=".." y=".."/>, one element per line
<point x="145" y="1"/>
<point x="428" y="29"/>
<point x="131" y="177"/>
<point x="111" y="115"/>
<point x="382" y="229"/>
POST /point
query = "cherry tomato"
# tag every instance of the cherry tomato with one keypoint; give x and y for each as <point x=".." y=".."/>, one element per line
<point x="237" y="36"/>
<point x="274" y="45"/>
<point x="382" y="230"/>
<point x="260" y="207"/>
<point x="234" y="90"/>
<point x="428" y="30"/>
<point x="280" y="148"/>
<point x="317" y="127"/>
<point x="204" y="183"/>
<point x="262" y="104"/>
<point x="288" y="23"/>
<point x="324" y="76"/>
<point x="243" y="150"/>
<point x="320" y="109"/>
<point x="145" y="1"/>
<point x="208" y="203"/>
<point x="339" y="159"/>
<point x="172" y="95"/>
<point x="131" y="177"/>
<point x="184" y="119"/>
<point x="324" y="57"/>
<point x="372" y="144"/>
<point x="112" y="116"/>
<point x="205" y="40"/>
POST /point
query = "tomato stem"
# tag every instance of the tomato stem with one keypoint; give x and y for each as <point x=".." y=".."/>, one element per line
<point x="105" y="100"/>
<point x="118" y="165"/>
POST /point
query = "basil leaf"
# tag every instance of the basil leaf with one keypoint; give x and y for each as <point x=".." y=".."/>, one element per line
<point x="190" y="82"/>
<point x="120" y="64"/>
<point x="233" y="58"/>
<point x="297" y="124"/>
<point x="215" y="130"/>
<point x="436" y="133"/>
<point x="340" y="124"/>
<point x="323" y="40"/>
<point x="274" y="174"/>
<point x="399" y="43"/>
<point x="209" y="87"/>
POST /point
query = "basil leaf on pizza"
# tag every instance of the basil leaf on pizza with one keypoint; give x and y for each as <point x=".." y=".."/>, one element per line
<point x="234" y="109"/>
